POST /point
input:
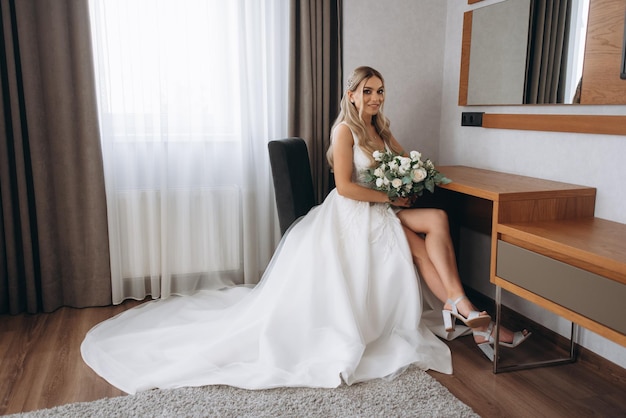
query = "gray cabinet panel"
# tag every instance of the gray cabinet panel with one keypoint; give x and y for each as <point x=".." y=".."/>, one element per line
<point x="588" y="294"/>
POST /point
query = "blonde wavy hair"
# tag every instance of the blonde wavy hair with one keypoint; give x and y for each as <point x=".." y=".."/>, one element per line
<point x="352" y="117"/>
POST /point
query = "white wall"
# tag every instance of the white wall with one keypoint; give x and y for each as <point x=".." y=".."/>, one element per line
<point x="417" y="47"/>
<point x="404" y="40"/>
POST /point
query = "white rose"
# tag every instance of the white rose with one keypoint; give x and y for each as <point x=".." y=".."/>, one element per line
<point x="379" y="182"/>
<point x="405" y="162"/>
<point x="415" y="155"/>
<point x="379" y="172"/>
<point x="377" y="155"/>
<point x="396" y="183"/>
<point x="418" y="175"/>
<point x="386" y="181"/>
<point x="393" y="165"/>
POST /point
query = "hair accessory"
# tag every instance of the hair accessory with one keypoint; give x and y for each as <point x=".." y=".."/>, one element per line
<point x="350" y="84"/>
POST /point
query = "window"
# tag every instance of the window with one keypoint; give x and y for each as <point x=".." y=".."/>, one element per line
<point x="189" y="93"/>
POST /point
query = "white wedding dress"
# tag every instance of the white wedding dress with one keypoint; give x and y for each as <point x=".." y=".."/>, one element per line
<point x="340" y="300"/>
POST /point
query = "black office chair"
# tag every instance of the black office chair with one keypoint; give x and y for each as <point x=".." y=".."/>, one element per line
<point x="293" y="183"/>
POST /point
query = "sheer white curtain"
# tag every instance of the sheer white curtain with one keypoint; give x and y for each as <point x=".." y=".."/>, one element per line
<point x="189" y="94"/>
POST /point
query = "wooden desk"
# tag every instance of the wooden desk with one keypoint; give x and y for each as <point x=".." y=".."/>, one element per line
<point x="575" y="268"/>
<point x="546" y="246"/>
<point x="507" y="198"/>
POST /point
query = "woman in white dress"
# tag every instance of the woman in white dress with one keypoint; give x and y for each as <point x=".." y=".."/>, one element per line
<point x="427" y="230"/>
<point x="339" y="301"/>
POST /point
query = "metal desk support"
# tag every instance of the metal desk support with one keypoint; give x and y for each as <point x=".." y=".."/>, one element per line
<point x="530" y="365"/>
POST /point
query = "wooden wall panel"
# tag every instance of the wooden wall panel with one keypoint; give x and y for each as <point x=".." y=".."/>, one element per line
<point x="466" y="45"/>
<point x="594" y="124"/>
<point x="603" y="54"/>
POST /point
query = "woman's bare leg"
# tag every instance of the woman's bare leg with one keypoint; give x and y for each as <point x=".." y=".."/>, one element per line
<point x="437" y="253"/>
<point x="443" y="289"/>
<point x="425" y="267"/>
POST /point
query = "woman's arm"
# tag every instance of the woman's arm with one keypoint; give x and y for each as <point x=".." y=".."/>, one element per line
<point x="343" y="155"/>
<point x="343" y="166"/>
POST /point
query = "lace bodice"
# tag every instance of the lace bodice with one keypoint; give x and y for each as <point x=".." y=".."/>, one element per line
<point x="360" y="161"/>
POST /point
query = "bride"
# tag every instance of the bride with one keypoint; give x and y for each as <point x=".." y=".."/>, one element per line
<point x="339" y="301"/>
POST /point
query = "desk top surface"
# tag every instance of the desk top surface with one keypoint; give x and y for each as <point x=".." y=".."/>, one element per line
<point x="498" y="186"/>
<point x="587" y="241"/>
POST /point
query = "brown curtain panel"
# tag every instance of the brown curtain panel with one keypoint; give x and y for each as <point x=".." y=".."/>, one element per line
<point x="315" y="78"/>
<point x="53" y="228"/>
<point x="547" y="63"/>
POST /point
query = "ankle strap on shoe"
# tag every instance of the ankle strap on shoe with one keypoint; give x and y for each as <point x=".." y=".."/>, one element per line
<point x="453" y="303"/>
<point x="485" y="334"/>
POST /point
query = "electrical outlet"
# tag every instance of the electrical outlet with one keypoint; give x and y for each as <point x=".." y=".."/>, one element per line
<point x="472" y="118"/>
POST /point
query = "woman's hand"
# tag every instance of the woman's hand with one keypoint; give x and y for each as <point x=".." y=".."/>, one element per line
<point x="403" y="202"/>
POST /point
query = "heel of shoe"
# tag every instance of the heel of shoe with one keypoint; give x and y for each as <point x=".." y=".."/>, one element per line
<point x="487" y="350"/>
<point x="448" y="321"/>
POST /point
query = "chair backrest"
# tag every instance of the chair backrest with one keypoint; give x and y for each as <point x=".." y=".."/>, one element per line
<point x="293" y="183"/>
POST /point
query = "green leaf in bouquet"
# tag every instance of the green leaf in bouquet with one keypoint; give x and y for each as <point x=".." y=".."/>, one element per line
<point x="429" y="183"/>
<point x="441" y="179"/>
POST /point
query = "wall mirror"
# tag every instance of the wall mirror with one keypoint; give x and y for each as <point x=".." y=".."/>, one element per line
<point x="543" y="52"/>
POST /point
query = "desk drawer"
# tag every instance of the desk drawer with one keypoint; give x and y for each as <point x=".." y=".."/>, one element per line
<point x="588" y="294"/>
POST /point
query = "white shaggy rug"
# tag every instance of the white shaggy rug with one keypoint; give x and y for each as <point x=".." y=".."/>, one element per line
<point x="412" y="394"/>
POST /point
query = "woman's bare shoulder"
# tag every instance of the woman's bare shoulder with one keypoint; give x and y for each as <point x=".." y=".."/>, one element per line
<point x="343" y="134"/>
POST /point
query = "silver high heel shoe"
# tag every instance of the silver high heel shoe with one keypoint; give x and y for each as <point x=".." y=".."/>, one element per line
<point x="487" y="346"/>
<point x="473" y="320"/>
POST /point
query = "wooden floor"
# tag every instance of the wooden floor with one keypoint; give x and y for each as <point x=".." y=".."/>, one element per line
<point x="41" y="367"/>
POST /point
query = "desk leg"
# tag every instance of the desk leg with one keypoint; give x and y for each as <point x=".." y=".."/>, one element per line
<point x="496" y="346"/>
<point x="530" y="365"/>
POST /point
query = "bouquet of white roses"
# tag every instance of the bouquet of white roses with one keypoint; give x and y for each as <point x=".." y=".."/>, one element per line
<point x="401" y="176"/>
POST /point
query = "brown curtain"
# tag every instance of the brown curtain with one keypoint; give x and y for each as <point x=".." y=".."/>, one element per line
<point x="547" y="63"/>
<point x="53" y="231"/>
<point x="315" y="78"/>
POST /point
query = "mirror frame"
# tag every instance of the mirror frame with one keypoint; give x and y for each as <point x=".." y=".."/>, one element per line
<point x="576" y="123"/>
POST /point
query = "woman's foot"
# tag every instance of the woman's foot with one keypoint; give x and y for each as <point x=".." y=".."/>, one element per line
<point x="484" y="338"/>
<point x="462" y="309"/>
<point x="506" y="337"/>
